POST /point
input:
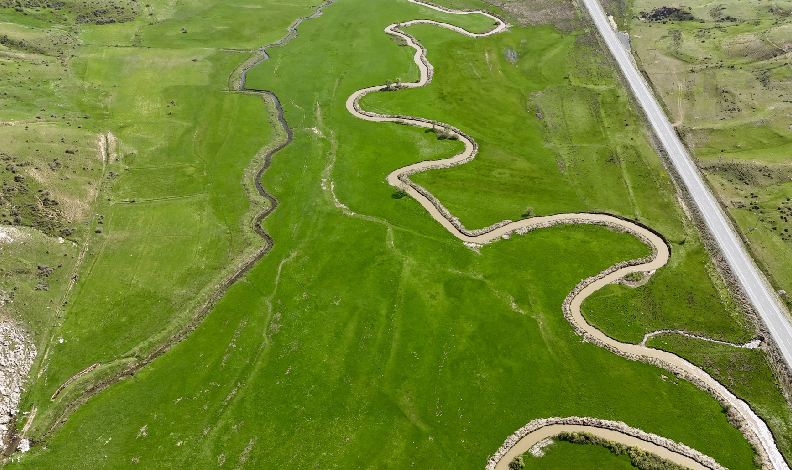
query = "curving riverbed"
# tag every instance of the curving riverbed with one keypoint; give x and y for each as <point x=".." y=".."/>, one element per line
<point x="754" y="428"/>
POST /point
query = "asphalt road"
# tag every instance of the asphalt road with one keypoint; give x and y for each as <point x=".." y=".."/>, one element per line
<point x="752" y="281"/>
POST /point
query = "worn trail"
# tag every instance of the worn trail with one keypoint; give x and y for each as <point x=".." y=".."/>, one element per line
<point x="755" y="429"/>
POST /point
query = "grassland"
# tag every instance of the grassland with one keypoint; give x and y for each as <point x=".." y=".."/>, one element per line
<point x="371" y="340"/>
<point x="354" y="340"/>
<point x="172" y="208"/>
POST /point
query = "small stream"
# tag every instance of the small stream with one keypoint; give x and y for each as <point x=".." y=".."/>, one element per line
<point x="292" y="34"/>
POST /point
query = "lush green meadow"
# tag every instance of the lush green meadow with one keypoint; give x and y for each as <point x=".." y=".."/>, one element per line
<point x="568" y="113"/>
<point x="371" y="338"/>
<point x="359" y="340"/>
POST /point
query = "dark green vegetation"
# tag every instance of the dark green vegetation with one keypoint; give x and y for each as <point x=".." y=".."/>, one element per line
<point x="639" y="458"/>
<point x="562" y="455"/>
<point x="373" y="339"/>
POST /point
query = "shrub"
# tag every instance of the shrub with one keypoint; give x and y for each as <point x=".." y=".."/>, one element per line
<point x="639" y="458"/>
<point x="517" y="464"/>
<point x="44" y="270"/>
<point x="399" y="40"/>
<point x="633" y="277"/>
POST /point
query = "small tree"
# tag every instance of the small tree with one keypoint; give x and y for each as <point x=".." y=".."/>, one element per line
<point x="398" y="83"/>
<point x="388" y="84"/>
<point x="517" y="464"/>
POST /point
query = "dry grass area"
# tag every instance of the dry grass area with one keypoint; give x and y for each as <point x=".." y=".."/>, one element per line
<point x="78" y="11"/>
<point x="55" y="42"/>
<point x="558" y="13"/>
<point x="726" y="68"/>
<point x="723" y="73"/>
<point x="50" y="175"/>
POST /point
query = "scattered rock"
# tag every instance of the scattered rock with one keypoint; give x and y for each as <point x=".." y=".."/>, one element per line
<point x="16" y="358"/>
<point x="24" y="445"/>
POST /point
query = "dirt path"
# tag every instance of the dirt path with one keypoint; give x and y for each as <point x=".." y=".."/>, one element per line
<point x="754" y="428"/>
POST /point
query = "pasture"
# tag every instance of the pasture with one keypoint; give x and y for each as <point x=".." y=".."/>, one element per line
<point x="367" y="336"/>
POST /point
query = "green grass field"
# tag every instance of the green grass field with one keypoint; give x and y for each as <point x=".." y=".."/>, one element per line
<point x="184" y="145"/>
<point x="367" y="340"/>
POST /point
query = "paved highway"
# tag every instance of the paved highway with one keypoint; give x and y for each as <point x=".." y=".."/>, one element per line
<point x="752" y="281"/>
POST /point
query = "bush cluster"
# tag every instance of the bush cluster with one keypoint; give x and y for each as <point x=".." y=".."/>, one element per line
<point x="517" y="464"/>
<point x="443" y="132"/>
<point x="639" y="458"/>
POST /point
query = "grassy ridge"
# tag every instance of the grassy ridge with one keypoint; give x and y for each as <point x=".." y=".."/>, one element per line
<point x="378" y="340"/>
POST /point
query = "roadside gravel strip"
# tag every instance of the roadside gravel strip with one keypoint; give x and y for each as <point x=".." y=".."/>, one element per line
<point x="755" y="430"/>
